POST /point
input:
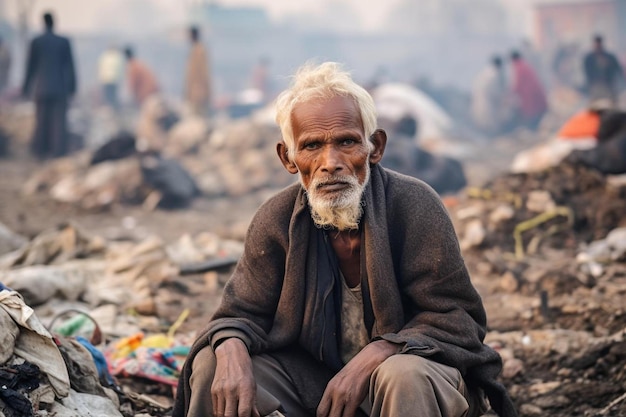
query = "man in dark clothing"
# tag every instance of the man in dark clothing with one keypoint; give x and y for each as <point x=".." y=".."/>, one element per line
<point x="51" y="80"/>
<point x="351" y="297"/>
<point x="603" y="73"/>
<point x="5" y="65"/>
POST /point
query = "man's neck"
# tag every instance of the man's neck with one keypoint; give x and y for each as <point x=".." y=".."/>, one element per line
<point x="347" y="247"/>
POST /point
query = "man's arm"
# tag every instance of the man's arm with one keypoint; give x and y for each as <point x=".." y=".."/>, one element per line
<point x="30" y="69"/>
<point x="69" y="68"/>
<point x="588" y="70"/>
<point x="233" y="391"/>
<point x="444" y="315"/>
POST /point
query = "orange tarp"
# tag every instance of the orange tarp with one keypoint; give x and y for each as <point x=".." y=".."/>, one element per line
<point x="582" y="125"/>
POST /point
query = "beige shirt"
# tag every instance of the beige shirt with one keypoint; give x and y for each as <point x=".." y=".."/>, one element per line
<point x="110" y="67"/>
<point x="197" y="84"/>
<point x="354" y="335"/>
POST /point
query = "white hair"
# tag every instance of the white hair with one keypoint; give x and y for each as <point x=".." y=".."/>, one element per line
<point x="324" y="81"/>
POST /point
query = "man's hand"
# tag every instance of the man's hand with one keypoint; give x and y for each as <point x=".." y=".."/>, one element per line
<point x="234" y="389"/>
<point x="347" y="390"/>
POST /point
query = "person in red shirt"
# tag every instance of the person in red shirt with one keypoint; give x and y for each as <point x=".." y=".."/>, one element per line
<point x="530" y="95"/>
<point x="142" y="82"/>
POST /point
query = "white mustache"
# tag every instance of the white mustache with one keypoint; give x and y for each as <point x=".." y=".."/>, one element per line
<point x="333" y="179"/>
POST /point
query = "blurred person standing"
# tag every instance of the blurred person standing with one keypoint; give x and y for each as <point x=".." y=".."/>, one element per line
<point x="5" y="65"/>
<point x="110" y="72"/>
<point x="51" y="79"/>
<point x="529" y="93"/>
<point x="142" y="82"/>
<point x="603" y="73"/>
<point x="197" y="82"/>
<point x="260" y="79"/>
<point x="534" y="59"/>
<point x="491" y="99"/>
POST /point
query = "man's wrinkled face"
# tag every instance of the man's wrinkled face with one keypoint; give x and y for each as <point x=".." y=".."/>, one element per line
<point x="332" y="157"/>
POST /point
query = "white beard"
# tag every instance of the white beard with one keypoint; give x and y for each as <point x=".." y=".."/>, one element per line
<point x="343" y="211"/>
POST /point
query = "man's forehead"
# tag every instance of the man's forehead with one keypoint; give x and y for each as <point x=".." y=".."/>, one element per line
<point x="338" y="110"/>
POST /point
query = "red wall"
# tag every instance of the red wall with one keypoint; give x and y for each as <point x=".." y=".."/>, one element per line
<point x="576" y="22"/>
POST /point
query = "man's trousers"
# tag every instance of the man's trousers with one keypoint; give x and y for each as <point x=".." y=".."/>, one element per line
<point x="403" y="385"/>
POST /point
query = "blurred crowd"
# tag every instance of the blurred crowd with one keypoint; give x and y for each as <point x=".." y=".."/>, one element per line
<point x="50" y="81"/>
<point x="513" y="90"/>
<point x="505" y="99"/>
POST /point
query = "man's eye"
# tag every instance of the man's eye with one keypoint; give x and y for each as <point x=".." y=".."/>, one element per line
<point x="310" y="145"/>
<point x="348" y="141"/>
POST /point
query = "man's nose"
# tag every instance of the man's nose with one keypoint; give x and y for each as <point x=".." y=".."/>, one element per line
<point x="331" y="160"/>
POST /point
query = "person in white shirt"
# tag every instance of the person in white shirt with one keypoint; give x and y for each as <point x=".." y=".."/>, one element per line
<point x="110" y="72"/>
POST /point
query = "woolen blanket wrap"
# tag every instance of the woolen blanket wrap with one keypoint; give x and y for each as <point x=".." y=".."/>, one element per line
<point x="417" y="291"/>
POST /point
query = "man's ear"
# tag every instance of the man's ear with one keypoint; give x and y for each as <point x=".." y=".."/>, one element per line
<point x="283" y="154"/>
<point x="379" y="139"/>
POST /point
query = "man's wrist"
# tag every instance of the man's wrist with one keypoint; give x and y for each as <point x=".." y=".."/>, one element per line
<point x="228" y="342"/>
<point x="387" y="348"/>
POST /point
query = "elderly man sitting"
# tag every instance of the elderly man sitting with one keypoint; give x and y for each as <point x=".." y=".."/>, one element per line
<point x="352" y="297"/>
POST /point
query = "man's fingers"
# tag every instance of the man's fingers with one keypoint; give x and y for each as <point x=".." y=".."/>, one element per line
<point x="218" y="405"/>
<point x="324" y="407"/>
<point x="350" y="408"/>
<point x="336" y="410"/>
<point x="231" y="409"/>
<point x="246" y="407"/>
<point x="331" y="407"/>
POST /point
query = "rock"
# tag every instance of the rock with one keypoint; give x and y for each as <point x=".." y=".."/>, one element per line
<point x="474" y="234"/>
<point x="146" y="307"/>
<point x="552" y="401"/>
<point x="470" y="211"/>
<point x="540" y="201"/>
<point x="512" y="368"/>
<point x="211" y="282"/>
<point x="597" y="251"/>
<point x="501" y="213"/>
<point x="184" y="251"/>
<point x="616" y="240"/>
<point x="186" y="135"/>
<point x="546" y="155"/>
<point x="542" y="388"/>
<point x="531" y="410"/>
<point x="55" y="246"/>
<point x="85" y="405"/>
<point x="508" y="282"/>
<point x="40" y="283"/>
<point x="9" y="241"/>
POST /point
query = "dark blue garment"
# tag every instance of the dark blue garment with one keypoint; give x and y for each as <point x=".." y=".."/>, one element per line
<point x="50" y="68"/>
<point x="99" y="360"/>
<point x="326" y="304"/>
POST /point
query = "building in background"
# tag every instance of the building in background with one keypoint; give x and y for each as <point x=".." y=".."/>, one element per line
<point x="576" y="21"/>
<point x="563" y="33"/>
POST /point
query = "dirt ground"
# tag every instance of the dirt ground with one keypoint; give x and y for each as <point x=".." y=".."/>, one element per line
<point x="530" y="322"/>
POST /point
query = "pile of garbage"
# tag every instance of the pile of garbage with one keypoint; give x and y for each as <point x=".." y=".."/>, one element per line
<point x="167" y="158"/>
<point x="92" y="327"/>
<point x="562" y="206"/>
<point x="547" y="251"/>
<point x="167" y="162"/>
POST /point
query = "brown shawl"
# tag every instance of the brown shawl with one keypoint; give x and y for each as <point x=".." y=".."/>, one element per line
<point x="414" y="279"/>
<point x="197" y="85"/>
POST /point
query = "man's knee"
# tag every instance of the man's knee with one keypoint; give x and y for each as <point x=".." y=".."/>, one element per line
<point x="401" y="374"/>
<point x="202" y="370"/>
<point x="413" y="369"/>
<point x="439" y="389"/>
